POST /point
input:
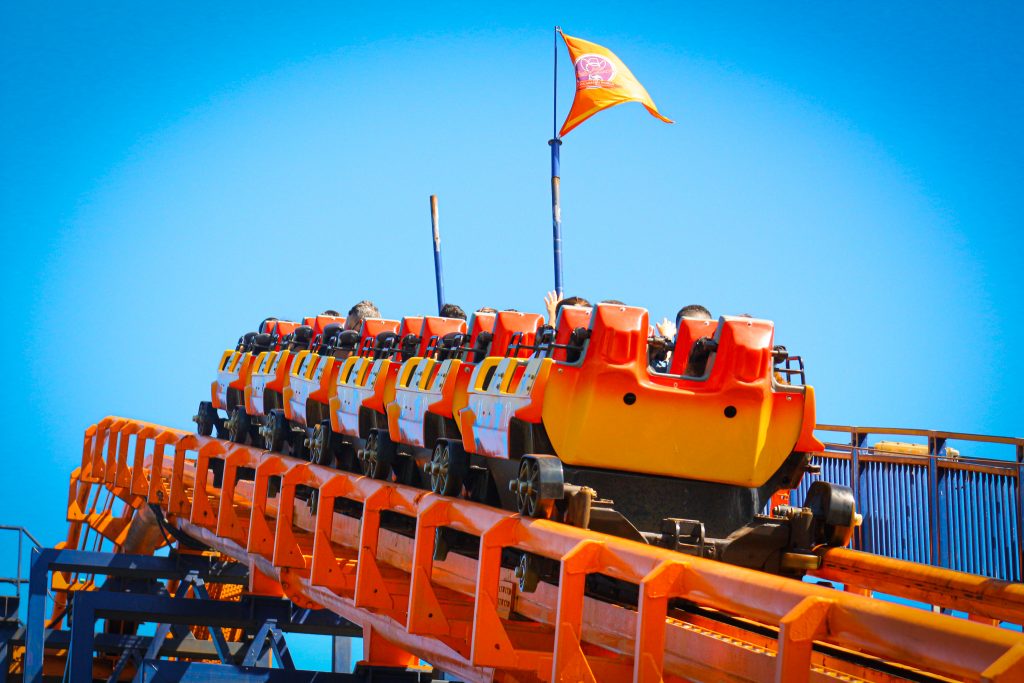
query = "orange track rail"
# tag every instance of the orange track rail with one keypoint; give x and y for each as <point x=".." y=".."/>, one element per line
<point x="465" y="616"/>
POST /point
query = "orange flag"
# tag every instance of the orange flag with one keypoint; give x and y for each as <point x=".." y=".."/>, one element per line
<point x="602" y="81"/>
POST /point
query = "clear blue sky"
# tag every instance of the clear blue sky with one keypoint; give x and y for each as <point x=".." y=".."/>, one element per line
<point x="169" y="176"/>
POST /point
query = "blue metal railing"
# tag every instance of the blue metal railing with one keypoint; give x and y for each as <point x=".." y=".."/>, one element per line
<point x="929" y="503"/>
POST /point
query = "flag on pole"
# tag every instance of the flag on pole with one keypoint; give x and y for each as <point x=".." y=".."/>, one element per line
<point x="602" y="81"/>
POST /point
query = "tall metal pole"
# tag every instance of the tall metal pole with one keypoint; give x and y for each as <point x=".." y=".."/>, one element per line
<point x="556" y="199"/>
<point x="438" y="275"/>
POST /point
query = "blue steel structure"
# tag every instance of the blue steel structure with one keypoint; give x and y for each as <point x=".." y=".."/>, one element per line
<point x="935" y="508"/>
<point x="134" y="593"/>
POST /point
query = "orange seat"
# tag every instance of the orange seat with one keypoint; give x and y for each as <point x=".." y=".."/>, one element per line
<point x="434" y="329"/>
<point x="570" y="318"/>
<point x="513" y="327"/>
<point x="480" y="322"/>
<point x="690" y="330"/>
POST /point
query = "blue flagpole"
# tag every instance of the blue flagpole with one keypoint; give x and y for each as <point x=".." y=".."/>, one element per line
<point x="438" y="274"/>
<point x="556" y="208"/>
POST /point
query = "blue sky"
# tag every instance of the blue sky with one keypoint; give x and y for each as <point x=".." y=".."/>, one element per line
<point x="171" y="175"/>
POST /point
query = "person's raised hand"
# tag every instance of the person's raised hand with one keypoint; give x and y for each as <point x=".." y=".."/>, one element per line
<point x="550" y="303"/>
<point x="666" y="328"/>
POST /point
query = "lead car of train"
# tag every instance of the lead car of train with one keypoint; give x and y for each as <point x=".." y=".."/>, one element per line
<point x="563" y="421"/>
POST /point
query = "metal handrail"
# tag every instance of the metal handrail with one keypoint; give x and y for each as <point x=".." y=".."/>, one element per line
<point x="935" y="506"/>
<point x="927" y="433"/>
<point x="17" y="581"/>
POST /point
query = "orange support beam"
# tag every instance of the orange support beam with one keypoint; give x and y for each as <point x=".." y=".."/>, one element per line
<point x="457" y="612"/>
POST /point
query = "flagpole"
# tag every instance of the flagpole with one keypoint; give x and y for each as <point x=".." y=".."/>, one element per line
<point x="438" y="273"/>
<point x="556" y="208"/>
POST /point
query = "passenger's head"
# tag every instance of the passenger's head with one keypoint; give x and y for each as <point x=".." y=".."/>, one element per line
<point x="693" y="311"/>
<point x="487" y="309"/>
<point x="452" y="311"/>
<point x="331" y="312"/>
<point x="360" y="312"/>
<point x="571" y="301"/>
<point x="612" y="301"/>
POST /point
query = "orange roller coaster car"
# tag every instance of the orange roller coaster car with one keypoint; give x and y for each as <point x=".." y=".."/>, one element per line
<point x="571" y="423"/>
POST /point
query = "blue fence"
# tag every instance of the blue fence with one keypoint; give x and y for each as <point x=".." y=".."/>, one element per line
<point x="928" y="502"/>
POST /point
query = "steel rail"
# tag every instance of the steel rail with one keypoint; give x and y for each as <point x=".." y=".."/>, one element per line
<point x="434" y="620"/>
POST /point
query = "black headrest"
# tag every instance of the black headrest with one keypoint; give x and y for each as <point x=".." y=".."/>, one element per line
<point x="410" y="345"/>
<point x="577" y="338"/>
<point x="347" y="339"/>
<point x="385" y="344"/>
<point x="700" y="353"/>
<point x="387" y="340"/>
<point x="330" y="332"/>
<point x="261" y="343"/>
<point x="481" y="346"/>
<point x="302" y="335"/>
<point x="245" y="343"/>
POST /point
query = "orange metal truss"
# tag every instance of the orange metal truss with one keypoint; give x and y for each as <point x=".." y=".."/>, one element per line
<point x="465" y="615"/>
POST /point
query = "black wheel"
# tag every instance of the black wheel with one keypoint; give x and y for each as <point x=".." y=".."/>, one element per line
<point x="834" y="513"/>
<point x="275" y="431"/>
<point x="238" y="425"/>
<point x="378" y="455"/>
<point x="530" y="488"/>
<point x="322" y="447"/>
<point x="528" y="573"/>
<point x="206" y="418"/>
<point x="446" y="469"/>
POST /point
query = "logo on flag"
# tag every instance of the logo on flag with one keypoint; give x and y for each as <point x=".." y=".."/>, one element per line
<point x="594" y="71"/>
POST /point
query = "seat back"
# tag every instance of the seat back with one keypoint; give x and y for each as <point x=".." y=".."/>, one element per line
<point x="744" y="349"/>
<point x="322" y="321"/>
<point x="570" y="319"/>
<point x="371" y="329"/>
<point x="618" y="335"/>
<point x="512" y="326"/>
<point x="690" y="330"/>
<point x="480" y="322"/>
<point x="434" y="329"/>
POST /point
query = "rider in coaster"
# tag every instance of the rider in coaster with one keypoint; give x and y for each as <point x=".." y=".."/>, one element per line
<point x="660" y="348"/>
<point x="360" y="312"/>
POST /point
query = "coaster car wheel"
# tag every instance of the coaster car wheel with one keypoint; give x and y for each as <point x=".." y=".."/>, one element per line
<point x="274" y="431"/>
<point x="238" y="425"/>
<point x="447" y="468"/>
<point x="539" y="485"/>
<point x="834" y="513"/>
<point x="321" y="444"/>
<point x="377" y="455"/>
<point x="206" y="418"/>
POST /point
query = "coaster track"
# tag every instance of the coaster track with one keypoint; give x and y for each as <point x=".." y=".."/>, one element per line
<point x="365" y="549"/>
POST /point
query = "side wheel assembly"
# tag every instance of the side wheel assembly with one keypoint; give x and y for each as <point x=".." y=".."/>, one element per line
<point x="238" y="425"/>
<point x="539" y="485"/>
<point x="322" y="445"/>
<point x="206" y="419"/>
<point x="377" y="455"/>
<point x="447" y="468"/>
<point x="528" y="573"/>
<point x="834" y="513"/>
<point x="274" y="431"/>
